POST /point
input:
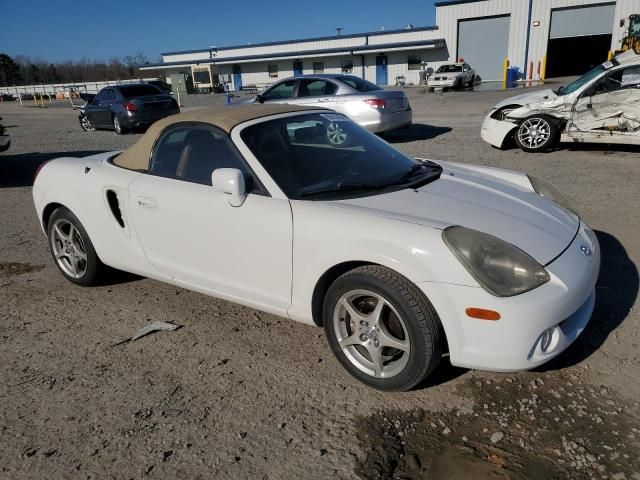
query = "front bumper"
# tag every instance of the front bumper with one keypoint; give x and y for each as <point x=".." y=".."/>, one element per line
<point x="562" y="306"/>
<point x="141" y="119"/>
<point x="5" y="142"/>
<point x="495" y="131"/>
<point x="442" y="83"/>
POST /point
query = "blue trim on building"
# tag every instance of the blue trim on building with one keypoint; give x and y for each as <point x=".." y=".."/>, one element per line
<point x="348" y="50"/>
<point x="311" y="39"/>
<point x="454" y="2"/>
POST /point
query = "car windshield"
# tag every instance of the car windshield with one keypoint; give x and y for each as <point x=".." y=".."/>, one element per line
<point x="358" y="83"/>
<point x="139" y="91"/>
<point x="327" y="156"/>
<point x="449" y="69"/>
<point x="583" y="80"/>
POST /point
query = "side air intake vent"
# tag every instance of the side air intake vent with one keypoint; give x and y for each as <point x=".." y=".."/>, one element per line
<point x="114" y="205"/>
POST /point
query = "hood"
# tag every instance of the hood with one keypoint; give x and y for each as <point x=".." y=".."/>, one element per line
<point x="529" y="98"/>
<point x="483" y="202"/>
<point x="447" y="74"/>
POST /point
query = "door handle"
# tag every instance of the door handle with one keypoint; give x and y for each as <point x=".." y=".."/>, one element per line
<point x="147" y="203"/>
<point x="323" y="100"/>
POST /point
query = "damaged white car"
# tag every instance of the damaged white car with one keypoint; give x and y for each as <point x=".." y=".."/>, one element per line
<point x="602" y="106"/>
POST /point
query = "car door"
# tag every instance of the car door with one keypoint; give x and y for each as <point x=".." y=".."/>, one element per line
<point x="281" y="92"/>
<point x="468" y="73"/>
<point x="106" y="106"/>
<point x="93" y="109"/>
<point x="612" y="103"/>
<point x="316" y="92"/>
<point x="190" y="232"/>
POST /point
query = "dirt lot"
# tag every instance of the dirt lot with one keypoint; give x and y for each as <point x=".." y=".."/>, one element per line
<point x="237" y="393"/>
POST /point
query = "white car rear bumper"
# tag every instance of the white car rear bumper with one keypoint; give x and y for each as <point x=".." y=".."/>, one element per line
<point x="563" y="306"/>
<point x="495" y="131"/>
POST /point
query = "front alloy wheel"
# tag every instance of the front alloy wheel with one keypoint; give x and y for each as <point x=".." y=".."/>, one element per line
<point x="371" y="333"/>
<point x="536" y="134"/>
<point x="86" y="124"/>
<point x="382" y="328"/>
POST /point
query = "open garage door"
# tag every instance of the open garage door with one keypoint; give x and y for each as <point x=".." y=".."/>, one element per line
<point x="484" y="43"/>
<point x="579" y="38"/>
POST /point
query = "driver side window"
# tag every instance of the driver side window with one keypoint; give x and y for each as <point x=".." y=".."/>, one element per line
<point x="191" y="152"/>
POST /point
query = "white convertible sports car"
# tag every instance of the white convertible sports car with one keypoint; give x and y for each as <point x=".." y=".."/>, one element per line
<point x="302" y="213"/>
<point x="602" y="106"/>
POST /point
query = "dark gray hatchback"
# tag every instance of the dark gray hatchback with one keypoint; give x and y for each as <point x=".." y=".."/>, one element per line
<point x="126" y="107"/>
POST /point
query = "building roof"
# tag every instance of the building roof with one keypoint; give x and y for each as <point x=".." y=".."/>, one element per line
<point x="308" y="39"/>
<point x="300" y="53"/>
<point x="138" y="155"/>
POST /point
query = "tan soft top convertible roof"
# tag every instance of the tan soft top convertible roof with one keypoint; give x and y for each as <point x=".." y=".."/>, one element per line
<point x="137" y="156"/>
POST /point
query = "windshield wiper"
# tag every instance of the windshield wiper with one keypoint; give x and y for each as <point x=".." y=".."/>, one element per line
<point x="341" y="187"/>
<point x="424" y="170"/>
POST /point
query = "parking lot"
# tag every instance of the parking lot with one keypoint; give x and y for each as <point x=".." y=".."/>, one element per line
<point x="237" y="393"/>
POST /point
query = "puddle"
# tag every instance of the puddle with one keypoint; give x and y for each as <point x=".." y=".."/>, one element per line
<point x="11" y="269"/>
<point x="521" y="427"/>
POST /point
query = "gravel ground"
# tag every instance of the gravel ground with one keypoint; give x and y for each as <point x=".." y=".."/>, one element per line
<point x="238" y="393"/>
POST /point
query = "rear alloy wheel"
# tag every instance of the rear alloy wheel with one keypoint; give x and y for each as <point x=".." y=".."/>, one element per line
<point x="117" y="125"/>
<point x="336" y="134"/>
<point x="72" y="249"/>
<point x="86" y="124"/>
<point x="382" y="328"/>
<point x="537" y="133"/>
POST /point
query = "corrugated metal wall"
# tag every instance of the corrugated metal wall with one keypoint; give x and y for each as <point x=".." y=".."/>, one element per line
<point x="624" y="8"/>
<point x="448" y="16"/>
<point x="447" y="19"/>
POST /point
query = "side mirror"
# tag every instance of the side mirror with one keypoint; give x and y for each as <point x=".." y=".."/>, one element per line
<point x="231" y="182"/>
<point x="259" y="98"/>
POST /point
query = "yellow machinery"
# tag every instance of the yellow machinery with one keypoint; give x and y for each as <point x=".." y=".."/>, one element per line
<point x="631" y="41"/>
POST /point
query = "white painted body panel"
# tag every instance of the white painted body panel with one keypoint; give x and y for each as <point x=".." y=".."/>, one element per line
<point x="270" y="252"/>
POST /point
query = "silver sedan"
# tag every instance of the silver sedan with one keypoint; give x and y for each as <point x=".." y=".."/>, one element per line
<point x="452" y="75"/>
<point x="367" y="104"/>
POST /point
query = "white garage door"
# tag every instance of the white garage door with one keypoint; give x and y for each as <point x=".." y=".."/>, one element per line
<point x="484" y="44"/>
<point x="580" y="21"/>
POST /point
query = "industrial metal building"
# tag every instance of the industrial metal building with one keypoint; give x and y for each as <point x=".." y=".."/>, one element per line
<point x="538" y="37"/>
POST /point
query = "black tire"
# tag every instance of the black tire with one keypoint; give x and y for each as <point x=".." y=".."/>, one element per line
<point x="537" y="133"/>
<point x="93" y="267"/>
<point x="86" y="124"/>
<point x="471" y="82"/>
<point x="430" y="89"/>
<point x="117" y="125"/>
<point x="423" y="330"/>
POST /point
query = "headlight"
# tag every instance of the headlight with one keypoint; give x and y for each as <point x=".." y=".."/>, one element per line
<point x="500" y="268"/>
<point x="501" y="113"/>
<point x="546" y="190"/>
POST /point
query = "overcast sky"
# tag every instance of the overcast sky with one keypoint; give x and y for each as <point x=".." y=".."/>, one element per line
<point x="101" y="29"/>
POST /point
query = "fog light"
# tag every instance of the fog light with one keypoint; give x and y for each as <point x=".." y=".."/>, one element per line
<point x="545" y="339"/>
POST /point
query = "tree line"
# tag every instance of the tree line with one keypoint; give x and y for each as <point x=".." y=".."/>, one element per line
<point x="24" y="70"/>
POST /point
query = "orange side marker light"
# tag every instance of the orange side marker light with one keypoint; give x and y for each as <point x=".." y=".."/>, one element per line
<point x="482" y="314"/>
